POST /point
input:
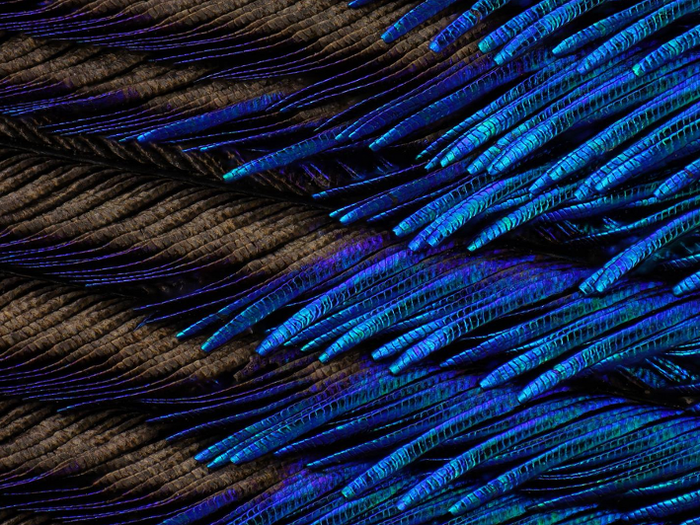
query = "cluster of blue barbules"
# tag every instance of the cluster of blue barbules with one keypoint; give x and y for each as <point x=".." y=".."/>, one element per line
<point x="430" y="446"/>
<point x="615" y="77"/>
<point x="418" y="299"/>
<point x="588" y="134"/>
<point x="413" y="442"/>
<point x="580" y="138"/>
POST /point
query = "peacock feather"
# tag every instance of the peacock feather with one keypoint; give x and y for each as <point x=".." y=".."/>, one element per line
<point x="317" y="262"/>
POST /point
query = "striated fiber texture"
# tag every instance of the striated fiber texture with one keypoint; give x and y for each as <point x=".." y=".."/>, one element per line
<point x="318" y="262"/>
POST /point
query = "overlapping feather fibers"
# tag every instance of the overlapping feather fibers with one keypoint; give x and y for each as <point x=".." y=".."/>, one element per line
<point x="80" y="372"/>
<point x="554" y="402"/>
<point x="110" y="451"/>
<point x="98" y="227"/>
<point x="431" y="86"/>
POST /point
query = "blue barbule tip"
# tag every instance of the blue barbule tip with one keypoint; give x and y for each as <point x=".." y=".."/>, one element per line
<point x="209" y="345"/>
<point x="238" y="173"/>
